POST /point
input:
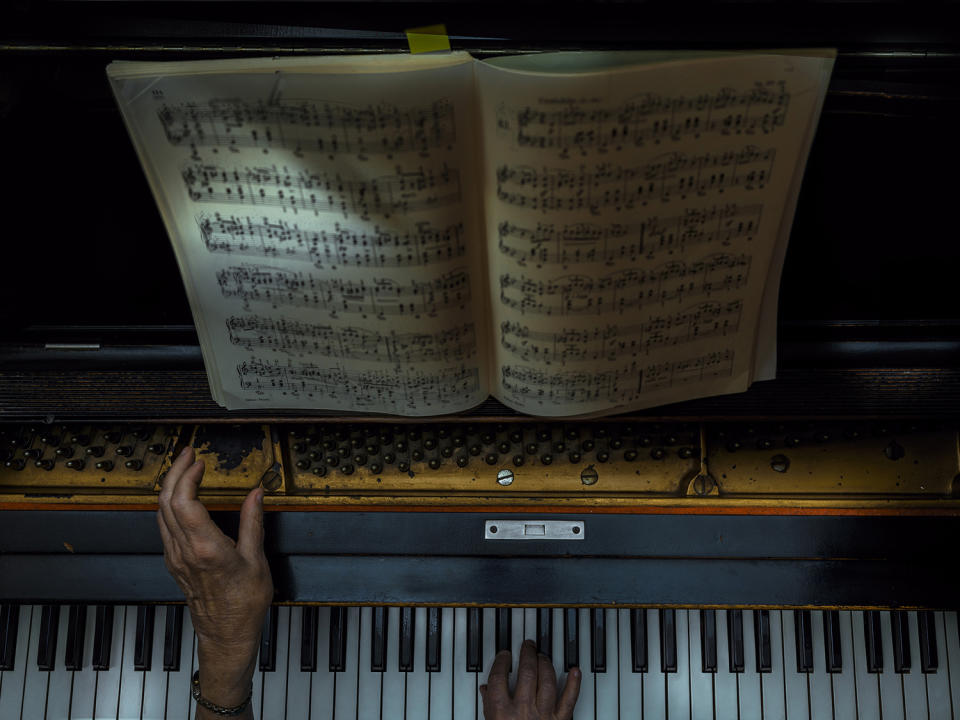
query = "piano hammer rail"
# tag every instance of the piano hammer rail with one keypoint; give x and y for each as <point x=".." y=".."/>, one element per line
<point x="870" y="465"/>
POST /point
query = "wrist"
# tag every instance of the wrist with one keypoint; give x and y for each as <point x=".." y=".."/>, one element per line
<point x="225" y="678"/>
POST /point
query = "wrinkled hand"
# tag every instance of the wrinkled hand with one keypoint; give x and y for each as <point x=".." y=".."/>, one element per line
<point x="227" y="584"/>
<point x="535" y="697"/>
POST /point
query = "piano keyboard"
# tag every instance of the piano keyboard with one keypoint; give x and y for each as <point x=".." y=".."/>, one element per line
<point x="402" y="663"/>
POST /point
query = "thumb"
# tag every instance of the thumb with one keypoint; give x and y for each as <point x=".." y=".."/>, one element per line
<point x="250" y="538"/>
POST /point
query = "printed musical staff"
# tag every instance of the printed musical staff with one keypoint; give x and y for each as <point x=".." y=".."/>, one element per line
<point x="646" y="119"/>
<point x="341" y="247"/>
<point x="397" y="389"/>
<point x="625" y="290"/>
<point x="306" y="126"/>
<point x="613" y="342"/>
<point x="320" y="191"/>
<point x="577" y="243"/>
<point x="609" y="386"/>
<point x="614" y="188"/>
<point x="376" y="297"/>
<point x="704" y="367"/>
<point x="257" y="332"/>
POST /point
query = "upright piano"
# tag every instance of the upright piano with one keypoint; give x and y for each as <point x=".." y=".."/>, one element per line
<point x="788" y="552"/>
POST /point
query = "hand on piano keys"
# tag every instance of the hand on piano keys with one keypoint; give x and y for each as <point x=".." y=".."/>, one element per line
<point x="535" y="696"/>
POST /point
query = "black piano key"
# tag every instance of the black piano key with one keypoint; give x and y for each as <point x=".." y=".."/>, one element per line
<point x="735" y="640"/>
<point x="545" y="631"/>
<point x="172" y="637"/>
<point x="103" y="637"/>
<point x="9" y="622"/>
<point x="309" y="625"/>
<point x="803" y="632"/>
<point x="378" y="640"/>
<point x="571" y="639"/>
<point x="76" y="631"/>
<point x="504" y="631"/>
<point x="926" y="627"/>
<point x="407" y="630"/>
<point x="668" y="641"/>
<point x="900" y="632"/>
<point x="47" y="646"/>
<point x="474" y="640"/>
<point x="338" y="639"/>
<point x="761" y="640"/>
<point x="434" y="630"/>
<point x="832" y="640"/>
<point x="598" y="641"/>
<point x="638" y="639"/>
<point x="143" y="646"/>
<point x="871" y="641"/>
<point x="268" y="640"/>
<point x="708" y="640"/>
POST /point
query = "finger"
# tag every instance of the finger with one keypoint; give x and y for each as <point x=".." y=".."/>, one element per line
<point x="170" y="549"/>
<point x="546" y="685"/>
<point x="568" y="698"/>
<point x="250" y="535"/>
<point x="526" y="691"/>
<point x="189" y="513"/>
<point x="497" y="682"/>
<point x="183" y="461"/>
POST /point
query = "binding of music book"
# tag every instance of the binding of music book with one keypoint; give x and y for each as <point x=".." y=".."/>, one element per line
<point x="572" y="233"/>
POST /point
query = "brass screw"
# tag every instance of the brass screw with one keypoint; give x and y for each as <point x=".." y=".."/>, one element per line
<point x="505" y="477"/>
<point x="704" y="484"/>
<point x="271" y="480"/>
<point x="780" y="463"/>
<point x="589" y="476"/>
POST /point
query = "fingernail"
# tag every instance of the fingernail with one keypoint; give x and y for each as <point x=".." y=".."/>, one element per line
<point x="185" y="451"/>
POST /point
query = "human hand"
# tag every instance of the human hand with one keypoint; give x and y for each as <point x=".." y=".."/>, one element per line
<point x="535" y="697"/>
<point x="227" y="584"/>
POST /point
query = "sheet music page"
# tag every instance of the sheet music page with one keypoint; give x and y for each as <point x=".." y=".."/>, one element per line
<point x="325" y="220"/>
<point x="632" y="217"/>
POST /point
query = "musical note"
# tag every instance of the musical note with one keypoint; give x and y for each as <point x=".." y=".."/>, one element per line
<point x="679" y="372"/>
<point x="626" y="289"/>
<point x="649" y="118"/>
<point x="396" y="389"/>
<point x="256" y="332"/>
<point x="377" y="297"/>
<point x="616" y="188"/>
<point x="322" y="191"/>
<point x="613" y="342"/>
<point x="329" y="250"/>
<point x="306" y="126"/>
<point x="576" y="243"/>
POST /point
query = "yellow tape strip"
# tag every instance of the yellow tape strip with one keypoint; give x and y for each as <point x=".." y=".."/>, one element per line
<point x="431" y="38"/>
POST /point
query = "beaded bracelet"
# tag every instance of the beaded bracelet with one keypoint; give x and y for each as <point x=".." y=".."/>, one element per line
<point x="218" y="709"/>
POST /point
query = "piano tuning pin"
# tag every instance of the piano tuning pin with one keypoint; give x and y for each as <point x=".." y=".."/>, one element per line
<point x="518" y="460"/>
<point x="33" y="453"/>
<point x="112" y="437"/>
<point x="644" y="441"/>
<point x="574" y="456"/>
<point x="531" y="448"/>
<point x="616" y="443"/>
<point x="572" y="433"/>
<point x="329" y="445"/>
<point x="360" y="459"/>
<point x="475" y="450"/>
<point x="600" y="433"/>
<point x="543" y="435"/>
<point x="44" y="464"/>
<point x="80" y="440"/>
<point x="66" y="452"/>
<point x="443" y="433"/>
<point x="630" y="455"/>
<point x="133" y="464"/>
<point x="491" y="458"/>
<point x="124" y="451"/>
<point x="487" y="438"/>
<point x="459" y="441"/>
<point x="50" y="439"/>
<point x="356" y="443"/>
<point x="320" y="470"/>
<point x="515" y="436"/>
<point x="822" y="437"/>
<point x="430" y="443"/>
<point x="462" y="461"/>
<point x="670" y="440"/>
<point x="403" y="466"/>
<point x="303" y="464"/>
<point x="17" y="464"/>
<point x="764" y="444"/>
<point x="417" y="455"/>
<point x="503" y="447"/>
<point x="157" y="448"/>
<point x="733" y="446"/>
<point x="333" y="459"/>
<point x="792" y="441"/>
<point x="587" y="446"/>
<point x="603" y="456"/>
<point x="559" y="446"/>
<point x="658" y="453"/>
<point x="372" y="449"/>
<point x="315" y="455"/>
<point x="300" y="447"/>
<point x="434" y="463"/>
<point x="75" y="464"/>
<point x="446" y="451"/>
<point x="376" y="468"/>
<point x="105" y="465"/>
<point x="389" y="458"/>
<point x="546" y="459"/>
<point x="401" y="446"/>
<point x="685" y="453"/>
<point x="94" y="451"/>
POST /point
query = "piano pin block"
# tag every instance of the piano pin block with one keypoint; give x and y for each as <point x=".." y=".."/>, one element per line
<point x="236" y="458"/>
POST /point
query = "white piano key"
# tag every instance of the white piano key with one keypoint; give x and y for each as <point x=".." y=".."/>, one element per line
<point x="654" y="687"/>
<point x="274" y="690"/>
<point x="418" y="700"/>
<point x="939" y="683"/>
<point x="844" y="682"/>
<point x="464" y="683"/>
<point x="952" y="644"/>
<point x="749" y="690"/>
<point x="821" y="687"/>
<point x="108" y="681"/>
<point x="368" y="683"/>
<point x="796" y="683"/>
<point x="516" y="640"/>
<point x="678" y="683"/>
<point x="489" y="650"/>
<point x="36" y="680"/>
<point x="530" y="624"/>
<point x="155" y="681"/>
<point x="631" y="693"/>
<point x="891" y="686"/>
<point x="772" y="683"/>
<point x="131" y="679"/>
<point x="345" y="702"/>
<point x="394" y="681"/>
<point x="606" y="682"/>
<point x="61" y="679"/>
<point x="178" y="682"/>
<point x="298" y="681"/>
<point x="11" y="681"/>
<point x="558" y="664"/>
<point x="195" y="665"/>
<point x="585" y="705"/>
<point x="725" y="682"/>
<point x="914" y="684"/>
<point x="85" y="681"/>
<point x="868" y="688"/>
<point x="701" y="683"/>
<point x="441" y="683"/>
<point x="321" y="681"/>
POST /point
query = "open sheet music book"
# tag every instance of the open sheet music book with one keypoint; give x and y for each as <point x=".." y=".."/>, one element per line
<point x="572" y="233"/>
